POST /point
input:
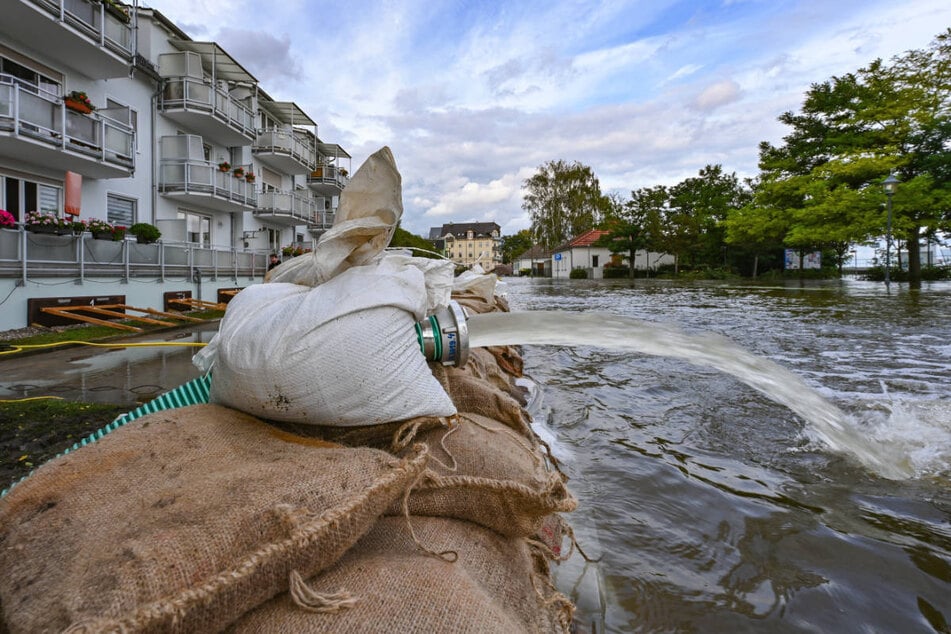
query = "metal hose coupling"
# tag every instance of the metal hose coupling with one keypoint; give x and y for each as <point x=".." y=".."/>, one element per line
<point x="444" y="336"/>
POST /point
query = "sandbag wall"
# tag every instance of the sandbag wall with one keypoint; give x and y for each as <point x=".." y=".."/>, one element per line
<point x="205" y="519"/>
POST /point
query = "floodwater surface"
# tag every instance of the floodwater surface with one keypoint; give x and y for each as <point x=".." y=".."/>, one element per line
<point x="715" y="507"/>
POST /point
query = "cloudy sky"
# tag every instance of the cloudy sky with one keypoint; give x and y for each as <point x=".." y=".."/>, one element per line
<point x="473" y="96"/>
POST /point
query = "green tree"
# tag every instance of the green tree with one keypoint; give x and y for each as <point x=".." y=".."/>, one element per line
<point x="697" y="208"/>
<point x="563" y="200"/>
<point x="851" y="133"/>
<point x="515" y="245"/>
<point x="625" y="234"/>
<point x="420" y="246"/>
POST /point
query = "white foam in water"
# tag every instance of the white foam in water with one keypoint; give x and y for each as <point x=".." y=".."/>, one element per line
<point x="919" y="429"/>
<point x="825" y="422"/>
<point x="540" y="426"/>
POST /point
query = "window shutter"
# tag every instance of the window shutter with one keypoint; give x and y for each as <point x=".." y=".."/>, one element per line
<point x="120" y="211"/>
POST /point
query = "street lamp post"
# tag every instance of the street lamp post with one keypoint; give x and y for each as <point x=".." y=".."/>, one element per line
<point x="889" y="185"/>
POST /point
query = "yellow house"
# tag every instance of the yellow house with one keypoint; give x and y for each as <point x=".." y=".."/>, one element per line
<point x="469" y="243"/>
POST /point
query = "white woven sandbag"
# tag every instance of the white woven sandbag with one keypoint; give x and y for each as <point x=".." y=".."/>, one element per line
<point x="344" y="353"/>
<point x="370" y="208"/>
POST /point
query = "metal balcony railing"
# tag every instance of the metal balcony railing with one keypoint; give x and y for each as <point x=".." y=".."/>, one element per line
<point x="328" y="175"/>
<point x="287" y="143"/>
<point x="29" y="111"/>
<point x="189" y="93"/>
<point x="105" y="26"/>
<point x="203" y="177"/>
<point x="288" y="204"/>
<point x="27" y="256"/>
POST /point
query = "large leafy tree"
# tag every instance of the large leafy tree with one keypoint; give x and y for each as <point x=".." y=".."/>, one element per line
<point x="697" y="208"/>
<point x="563" y="200"/>
<point x="825" y="179"/>
<point x="625" y="233"/>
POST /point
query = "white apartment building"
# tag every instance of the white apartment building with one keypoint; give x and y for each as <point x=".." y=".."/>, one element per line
<point x="182" y="136"/>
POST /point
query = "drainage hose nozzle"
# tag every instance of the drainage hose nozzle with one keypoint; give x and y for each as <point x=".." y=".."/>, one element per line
<point x="444" y="335"/>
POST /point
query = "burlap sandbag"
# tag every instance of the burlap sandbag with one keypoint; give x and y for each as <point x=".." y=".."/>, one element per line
<point x="397" y="587"/>
<point x="483" y="472"/>
<point x="183" y="520"/>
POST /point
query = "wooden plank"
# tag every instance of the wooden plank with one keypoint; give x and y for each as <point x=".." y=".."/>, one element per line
<point x="160" y="313"/>
<point x="104" y="310"/>
<point x="36" y="314"/>
<point x="68" y="315"/>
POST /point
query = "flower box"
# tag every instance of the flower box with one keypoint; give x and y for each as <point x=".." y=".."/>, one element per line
<point x="78" y="106"/>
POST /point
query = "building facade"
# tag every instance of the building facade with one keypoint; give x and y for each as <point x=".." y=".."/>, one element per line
<point x="470" y="243"/>
<point x="180" y="135"/>
<point x="583" y="252"/>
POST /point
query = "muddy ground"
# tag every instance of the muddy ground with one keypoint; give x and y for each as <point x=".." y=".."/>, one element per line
<point x="33" y="432"/>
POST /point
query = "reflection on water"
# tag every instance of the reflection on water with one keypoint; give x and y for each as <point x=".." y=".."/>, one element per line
<point x="123" y="376"/>
<point x="713" y="508"/>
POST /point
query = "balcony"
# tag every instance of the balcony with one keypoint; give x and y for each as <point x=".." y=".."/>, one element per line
<point x="30" y="257"/>
<point x="207" y="110"/>
<point x="285" y="151"/>
<point x="32" y="125"/>
<point x="288" y="209"/>
<point x="328" y="180"/>
<point x="89" y="36"/>
<point x="202" y="184"/>
<point x="323" y="220"/>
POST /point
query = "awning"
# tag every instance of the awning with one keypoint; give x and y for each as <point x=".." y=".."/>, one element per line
<point x="332" y="150"/>
<point x="216" y="61"/>
<point x="285" y="111"/>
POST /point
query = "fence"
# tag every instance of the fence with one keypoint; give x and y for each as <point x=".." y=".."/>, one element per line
<point x="27" y="255"/>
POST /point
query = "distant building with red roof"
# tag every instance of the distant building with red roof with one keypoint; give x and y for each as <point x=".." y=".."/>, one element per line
<point x="581" y="252"/>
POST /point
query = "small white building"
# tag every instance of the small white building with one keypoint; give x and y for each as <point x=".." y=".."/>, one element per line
<point x="537" y="260"/>
<point x="581" y="253"/>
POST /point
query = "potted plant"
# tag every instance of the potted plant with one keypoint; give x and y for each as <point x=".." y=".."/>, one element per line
<point x="343" y="172"/>
<point x="118" y="232"/>
<point x="145" y="233"/>
<point x="79" y="101"/>
<point x="117" y="9"/>
<point x="249" y="177"/>
<point x="100" y="229"/>
<point x="39" y="222"/>
<point x="7" y="221"/>
<point x="238" y="172"/>
<point x="224" y="166"/>
<point x="77" y="226"/>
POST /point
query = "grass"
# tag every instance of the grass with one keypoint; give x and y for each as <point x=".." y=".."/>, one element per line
<point x="32" y="432"/>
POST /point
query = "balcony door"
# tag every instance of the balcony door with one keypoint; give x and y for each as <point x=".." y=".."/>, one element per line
<point x="197" y="228"/>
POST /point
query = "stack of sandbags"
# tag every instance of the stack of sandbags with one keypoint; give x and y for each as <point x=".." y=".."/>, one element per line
<point x="468" y="547"/>
<point x="205" y="519"/>
<point x="184" y="520"/>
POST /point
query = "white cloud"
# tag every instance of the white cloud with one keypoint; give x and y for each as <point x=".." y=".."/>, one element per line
<point x="473" y="97"/>
<point x="716" y="95"/>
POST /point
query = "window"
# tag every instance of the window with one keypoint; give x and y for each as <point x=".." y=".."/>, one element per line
<point x="594" y="261"/>
<point x="18" y="196"/>
<point x="120" y="210"/>
<point x="197" y="228"/>
<point x="29" y="74"/>
<point x="274" y="240"/>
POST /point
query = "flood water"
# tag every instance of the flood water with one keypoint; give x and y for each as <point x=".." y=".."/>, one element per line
<point x="713" y="506"/>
